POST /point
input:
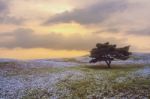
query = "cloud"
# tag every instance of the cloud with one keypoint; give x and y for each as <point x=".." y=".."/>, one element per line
<point x="11" y="20"/>
<point x="139" y="31"/>
<point x="26" y="38"/>
<point x="107" y="30"/>
<point x="134" y="20"/>
<point x="5" y="18"/>
<point x="3" y="7"/>
<point x="94" y="14"/>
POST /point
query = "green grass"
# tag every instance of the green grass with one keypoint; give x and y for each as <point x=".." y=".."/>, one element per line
<point x="8" y="64"/>
<point x="111" y="73"/>
<point x="139" y="87"/>
<point x="36" y="94"/>
<point x="77" y="89"/>
<point x="95" y="83"/>
<point x="31" y="71"/>
<point x="100" y="82"/>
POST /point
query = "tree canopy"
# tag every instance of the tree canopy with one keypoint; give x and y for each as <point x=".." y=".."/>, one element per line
<point x="109" y="52"/>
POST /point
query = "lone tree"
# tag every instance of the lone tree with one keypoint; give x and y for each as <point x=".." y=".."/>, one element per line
<point x="107" y="52"/>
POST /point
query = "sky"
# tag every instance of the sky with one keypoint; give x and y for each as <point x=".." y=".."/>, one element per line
<point x="69" y="28"/>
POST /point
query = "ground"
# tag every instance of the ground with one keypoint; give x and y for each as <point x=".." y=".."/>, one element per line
<point x="75" y="78"/>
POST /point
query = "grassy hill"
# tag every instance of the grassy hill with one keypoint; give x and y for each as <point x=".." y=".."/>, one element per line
<point x="75" y="78"/>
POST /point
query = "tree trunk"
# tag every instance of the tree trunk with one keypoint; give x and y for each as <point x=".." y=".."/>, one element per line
<point x="108" y="63"/>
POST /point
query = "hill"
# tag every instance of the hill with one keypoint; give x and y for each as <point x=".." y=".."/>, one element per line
<point x="75" y="78"/>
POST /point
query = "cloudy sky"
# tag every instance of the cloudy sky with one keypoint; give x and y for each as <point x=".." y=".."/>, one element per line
<point x="68" y="28"/>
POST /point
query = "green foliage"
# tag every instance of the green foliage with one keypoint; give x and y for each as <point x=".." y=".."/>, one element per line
<point x="107" y="52"/>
